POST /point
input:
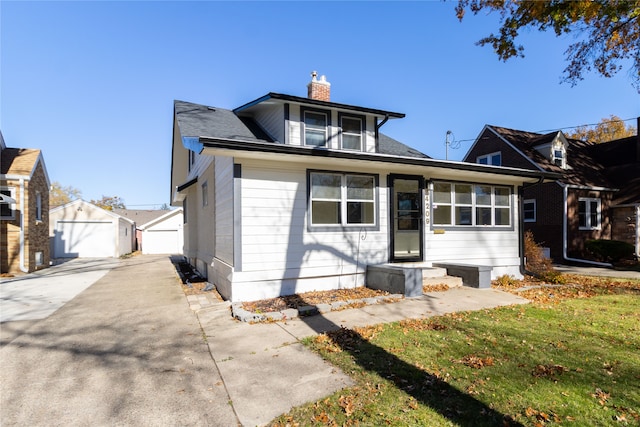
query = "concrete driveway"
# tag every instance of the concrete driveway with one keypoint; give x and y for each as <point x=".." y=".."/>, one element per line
<point x="126" y="351"/>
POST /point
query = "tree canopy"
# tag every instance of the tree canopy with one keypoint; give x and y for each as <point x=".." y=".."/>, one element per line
<point x="607" y="130"/>
<point x="59" y="195"/>
<point x="110" y="203"/>
<point x="608" y="32"/>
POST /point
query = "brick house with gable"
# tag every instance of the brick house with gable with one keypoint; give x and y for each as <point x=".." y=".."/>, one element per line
<point x="598" y="196"/>
<point x="24" y="210"/>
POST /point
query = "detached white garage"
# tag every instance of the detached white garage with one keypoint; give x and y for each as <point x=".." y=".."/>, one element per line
<point x="163" y="235"/>
<point x="83" y="230"/>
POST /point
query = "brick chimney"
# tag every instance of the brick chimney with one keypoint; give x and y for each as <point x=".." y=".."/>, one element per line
<point x="319" y="89"/>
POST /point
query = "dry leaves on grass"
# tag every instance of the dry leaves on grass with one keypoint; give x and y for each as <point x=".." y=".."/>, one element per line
<point x="441" y="287"/>
<point x="311" y="298"/>
<point x="476" y="362"/>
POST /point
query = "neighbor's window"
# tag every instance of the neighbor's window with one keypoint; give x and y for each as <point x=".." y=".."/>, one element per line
<point x="558" y="157"/>
<point x="7" y="209"/>
<point x="38" y="206"/>
<point x="205" y="194"/>
<point x="315" y="128"/>
<point x="494" y="159"/>
<point x="589" y="213"/>
<point x="351" y="134"/>
<point x="342" y="199"/>
<point x="529" y="210"/>
<point x="461" y="204"/>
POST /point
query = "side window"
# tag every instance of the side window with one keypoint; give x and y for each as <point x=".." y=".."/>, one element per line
<point x="38" y="206"/>
<point x="7" y="206"/>
<point x="529" y="210"/>
<point x="589" y="213"/>
<point x="184" y="211"/>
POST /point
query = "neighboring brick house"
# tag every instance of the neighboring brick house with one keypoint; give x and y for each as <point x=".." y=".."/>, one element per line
<point x="24" y="217"/>
<point x="595" y="199"/>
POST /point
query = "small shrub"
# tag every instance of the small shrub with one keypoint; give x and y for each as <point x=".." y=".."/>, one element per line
<point x="610" y="250"/>
<point x="537" y="263"/>
<point x="554" y="277"/>
<point x="505" y="281"/>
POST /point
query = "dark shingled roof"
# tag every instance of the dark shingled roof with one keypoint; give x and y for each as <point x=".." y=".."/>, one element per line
<point x="584" y="170"/>
<point x="197" y="120"/>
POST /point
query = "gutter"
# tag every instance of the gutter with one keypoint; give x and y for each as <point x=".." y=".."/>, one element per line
<point x="565" y="191"/>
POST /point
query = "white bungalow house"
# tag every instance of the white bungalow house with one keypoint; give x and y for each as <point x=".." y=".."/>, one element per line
<point x="288" y="194"/>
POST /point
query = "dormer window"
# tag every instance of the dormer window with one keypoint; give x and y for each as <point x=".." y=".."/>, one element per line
<point x="315" y="128"/>
<point x="558" y="157"/>
<point x="352" y="132"/>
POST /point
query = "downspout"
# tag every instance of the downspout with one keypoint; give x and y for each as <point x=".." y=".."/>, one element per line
<point x="565" y="226"/>
<point x="378" y="126"/>
<point x="523" y="264"/>
<point x="23" y="268"/>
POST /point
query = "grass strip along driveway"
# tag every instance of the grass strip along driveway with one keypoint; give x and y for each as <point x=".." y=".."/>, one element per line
<point x="572" y="357"/>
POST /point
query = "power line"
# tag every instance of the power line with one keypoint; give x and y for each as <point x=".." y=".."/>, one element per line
<point x="455" y="144"/>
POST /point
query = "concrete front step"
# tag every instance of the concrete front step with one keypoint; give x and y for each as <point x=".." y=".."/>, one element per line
<point x="451" y="281"/>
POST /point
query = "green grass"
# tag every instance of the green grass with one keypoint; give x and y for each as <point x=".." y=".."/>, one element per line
<point x="574" y="363"/>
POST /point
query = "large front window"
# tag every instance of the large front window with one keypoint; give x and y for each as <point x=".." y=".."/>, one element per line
<point x="461" y="204"/>
<point x="342" y="199"/>
<point x="589" y="213"/>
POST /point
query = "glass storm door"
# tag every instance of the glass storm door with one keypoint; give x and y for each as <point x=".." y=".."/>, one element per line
<point x="406" y="217"/>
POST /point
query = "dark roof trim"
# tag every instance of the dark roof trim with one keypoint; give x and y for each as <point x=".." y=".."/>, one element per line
<point x="321" y="152"/>
<point x="187" y="184"/>
<point x="309" y="101"/>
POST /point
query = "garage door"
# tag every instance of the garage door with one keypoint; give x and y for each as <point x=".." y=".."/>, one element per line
<point x="160" y="242"/>
<point x="85" y="239"/>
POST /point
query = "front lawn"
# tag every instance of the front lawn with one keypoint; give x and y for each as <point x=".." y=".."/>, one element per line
<point x="575" y="362"/>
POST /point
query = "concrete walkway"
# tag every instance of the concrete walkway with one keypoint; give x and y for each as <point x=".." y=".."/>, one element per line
<point x="268" y="371"/>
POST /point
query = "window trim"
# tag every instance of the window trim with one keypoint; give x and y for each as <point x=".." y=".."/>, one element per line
<point x="473" y="226"/>
<point x="12" y="206"/>
<point x="344" y="226"/>
<point x="562" y="159"/>
<point x="363" y="129"/>
<point x="588" y="213"/>
<point x="489" y="157"/>
<point x="303" y="126"/>
<point x="535" y="210"/>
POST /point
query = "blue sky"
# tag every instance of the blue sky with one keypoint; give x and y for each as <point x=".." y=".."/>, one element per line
<point x="92" y="84"/>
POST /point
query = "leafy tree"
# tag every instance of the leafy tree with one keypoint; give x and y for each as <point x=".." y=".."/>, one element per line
<point x="59" y="195"/>
<point x="609" y="30"/>
<point x="605" y="131"/>
<point x="110" y="203"/>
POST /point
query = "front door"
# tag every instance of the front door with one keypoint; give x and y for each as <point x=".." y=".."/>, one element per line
<point x="406" y="217"/>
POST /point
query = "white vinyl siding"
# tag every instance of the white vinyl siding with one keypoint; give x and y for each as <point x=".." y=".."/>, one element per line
<point x="224" y="224"/>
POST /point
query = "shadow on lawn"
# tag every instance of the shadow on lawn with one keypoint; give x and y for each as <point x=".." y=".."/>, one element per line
<point x="453" y="404"/>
